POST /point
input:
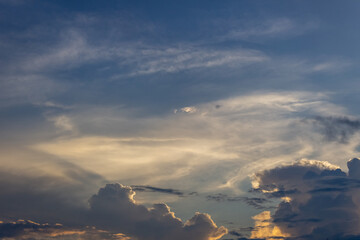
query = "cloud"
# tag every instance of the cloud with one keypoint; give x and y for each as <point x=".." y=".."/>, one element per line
<point x="319" y="200"/>
<point x="255" y="202"/>
<point x="175" y="149"/>
<point x="270" y="28"/>
<point x="187" y="57"/>
<point x="156" y="189"/>
<point x="113" y="212"/>
<point x="265" y="228"/>
<point x="42" y="64"/>
<point x="114" y="208"/>
<point x="63" y="123"/>
<point x="266" y="28"/>
<point x="76" y="48"/>
<point x="189" y="109"/>
<point x="339" y="129"/>
<point x="331" y="66"/>
<point x="210" y="151"/>
<point x="27" y="229"/>
<point x="13" y="229"/>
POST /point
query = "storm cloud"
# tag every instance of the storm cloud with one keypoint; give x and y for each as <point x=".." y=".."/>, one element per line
<point x="319" y="201"/>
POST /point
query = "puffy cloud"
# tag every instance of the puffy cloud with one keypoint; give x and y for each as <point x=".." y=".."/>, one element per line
<point x="320" y="201"/>
<point x="112" y="213"/>
<point x="115" y="209"/>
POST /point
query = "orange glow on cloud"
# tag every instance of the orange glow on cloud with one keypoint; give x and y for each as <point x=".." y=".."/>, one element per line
<point x="264" y="228"/>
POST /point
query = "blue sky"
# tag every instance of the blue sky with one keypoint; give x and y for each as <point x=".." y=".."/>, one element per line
<point x="194" y="105"/>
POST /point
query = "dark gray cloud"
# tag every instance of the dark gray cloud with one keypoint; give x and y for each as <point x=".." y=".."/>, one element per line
<point x="30" y="230"/>
<point x="140" y="188"/>
<point x="338" y="129"/>
<point x="325" y="204"/>
<point x="14" y="229"/>
<point x="256" y="202"/>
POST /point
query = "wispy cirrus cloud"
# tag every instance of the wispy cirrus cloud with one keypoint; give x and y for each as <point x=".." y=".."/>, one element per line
<point x="266" y="29"/>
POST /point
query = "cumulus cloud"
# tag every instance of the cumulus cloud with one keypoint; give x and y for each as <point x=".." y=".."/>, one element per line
<point x="112" y="213"/>
<point x="114" y="208"/>
<point x="319" y="201"/>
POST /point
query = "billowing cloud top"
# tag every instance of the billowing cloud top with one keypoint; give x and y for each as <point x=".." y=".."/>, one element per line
<point x="123" y="214"/>
<point x="114" y="211"/>
<point x="320" y="201"/>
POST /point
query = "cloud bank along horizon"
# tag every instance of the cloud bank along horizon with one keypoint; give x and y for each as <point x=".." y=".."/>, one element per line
<point x="311" y="192"/>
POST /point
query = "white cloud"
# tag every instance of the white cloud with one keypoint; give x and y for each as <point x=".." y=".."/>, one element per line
<point x="187" y="57"/>
<point x="63" y="123"/>
<point x="271" y="28"/>
<point x="331" y="66"/>
<point x="190" y="109"/>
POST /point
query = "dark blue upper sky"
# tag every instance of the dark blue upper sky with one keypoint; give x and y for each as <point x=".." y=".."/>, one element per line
<point x="294" y="36"/>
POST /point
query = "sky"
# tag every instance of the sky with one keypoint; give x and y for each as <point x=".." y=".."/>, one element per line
<point x="174" y="120"/>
